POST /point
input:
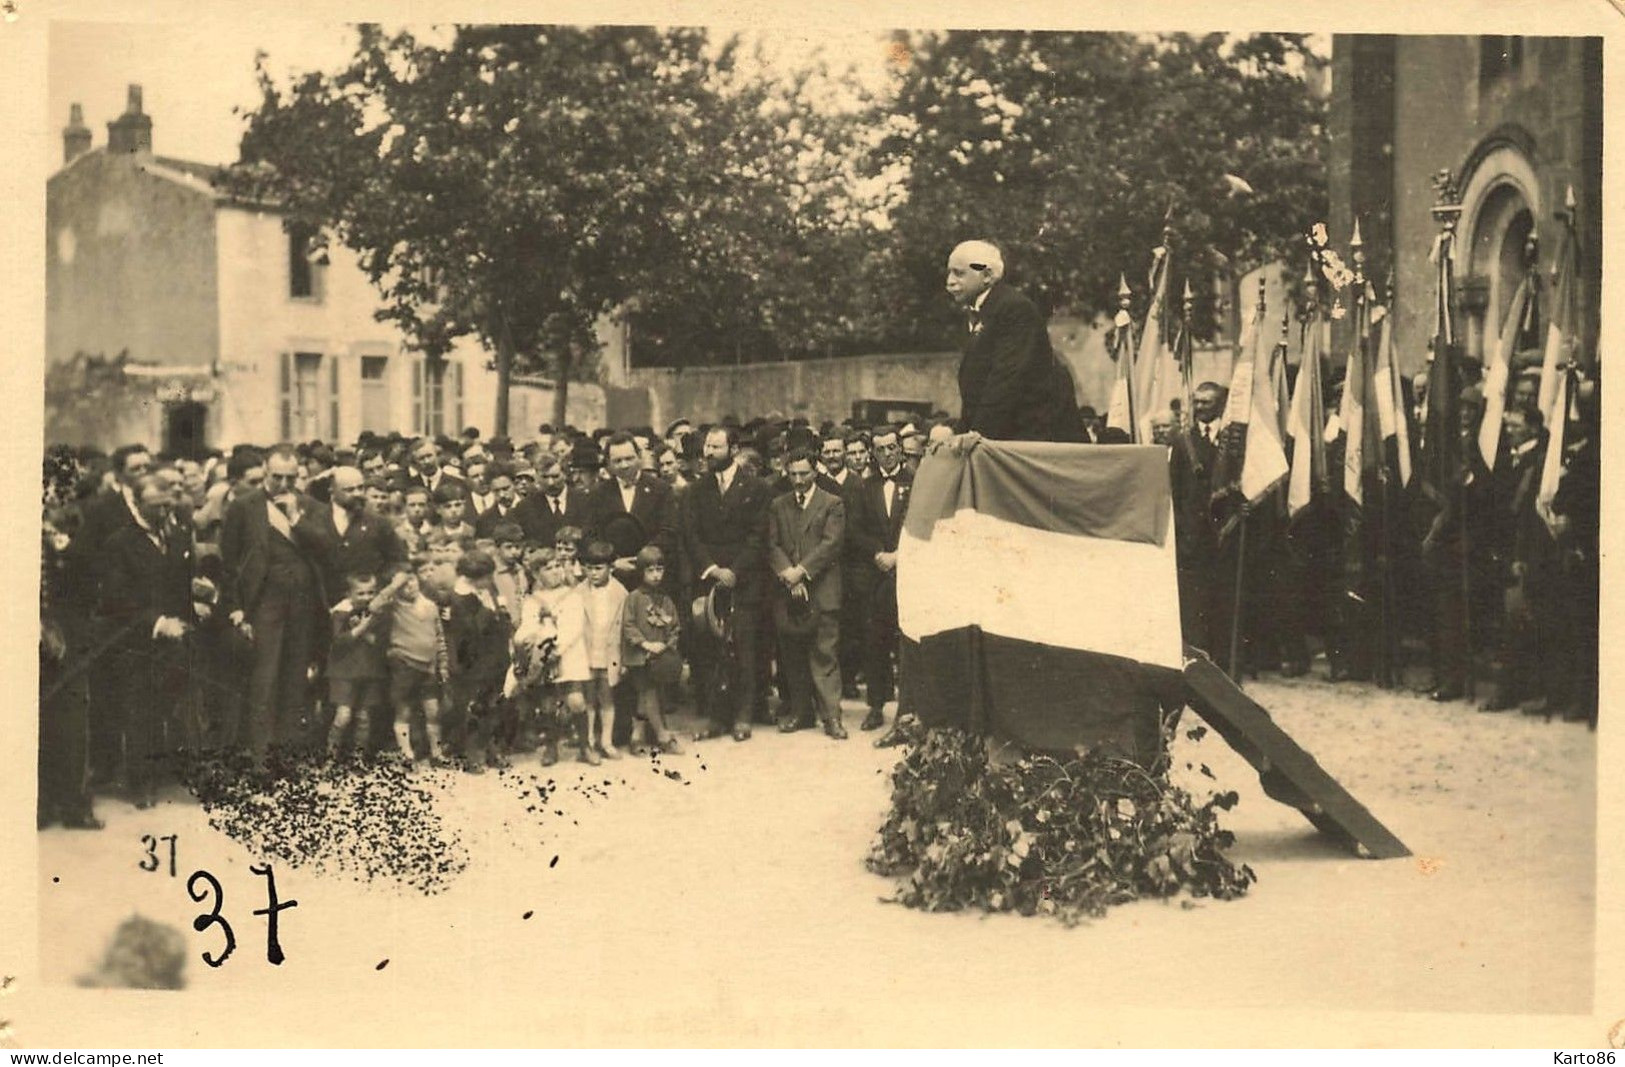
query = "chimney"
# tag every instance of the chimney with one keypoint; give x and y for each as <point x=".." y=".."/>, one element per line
<point x="75" y="135"/>
<point x="132" y="131"/>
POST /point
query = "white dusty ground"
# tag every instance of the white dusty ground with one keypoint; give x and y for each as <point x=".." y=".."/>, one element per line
<point x="739" y="904"/>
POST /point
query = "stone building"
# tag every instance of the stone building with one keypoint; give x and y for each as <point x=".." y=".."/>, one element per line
<point x="182" y="318"/>
<point x="1516" y="121"/>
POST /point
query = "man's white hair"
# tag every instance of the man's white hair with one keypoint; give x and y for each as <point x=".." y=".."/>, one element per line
<point x="981" y="254"/>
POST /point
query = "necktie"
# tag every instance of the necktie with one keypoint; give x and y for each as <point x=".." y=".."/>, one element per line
<point x="801" y="500"/>
<point x="555" y="502"/>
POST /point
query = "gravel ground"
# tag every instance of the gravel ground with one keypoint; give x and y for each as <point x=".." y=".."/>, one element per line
<point x="722" y="892"/>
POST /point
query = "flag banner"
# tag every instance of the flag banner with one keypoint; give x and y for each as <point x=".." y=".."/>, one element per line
<point x="1157" y="378"/>
<point x="1562" y="327"/>
<point x="1120" y="412"/>
<point x="1551" y="471"/>
<point x="1441" y="427"/>
<point x="1392" y="420"/>
<point x="1038" y="596"/>
<point x="1497" y="372"/>
<point x="1306" y="424"/>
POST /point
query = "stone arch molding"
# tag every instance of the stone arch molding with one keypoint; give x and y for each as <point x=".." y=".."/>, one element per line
<point x="1504" y="164"/>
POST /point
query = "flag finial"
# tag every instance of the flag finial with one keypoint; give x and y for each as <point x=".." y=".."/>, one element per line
<point x="1123" y="291"/>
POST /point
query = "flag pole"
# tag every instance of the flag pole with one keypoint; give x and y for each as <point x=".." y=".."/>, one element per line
<point x="1447" y="211"/>
<point x="1385" y="553"/>
<point x="1241" y="540"/>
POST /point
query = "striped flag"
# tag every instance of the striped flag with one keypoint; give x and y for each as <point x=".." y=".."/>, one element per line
<point x="1551" y="471"/>
<point x="1391" y="404"/>
<point x="1306" y="424"/>
<point x="1563" y="322"/>
<point x="1498" y="371"/>
<point x="1120" y="411"/>
<point x="1252" y="425"/>
<point x="1157" y="375"/>
<point x="1038" y="596"/>
<point x="1352" y="414"/>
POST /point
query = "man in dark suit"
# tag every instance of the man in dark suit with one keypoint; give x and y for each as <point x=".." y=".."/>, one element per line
<point x="875" y="529"/>
<point x="362" y="540"/>
<point x="806" y="527"/>
<point x="277" y="554"/>
<point x="554" y="505"/>
<point x="107" y="513"/>
<point x="724" y="533"/>
<point x="629" y="510"/>
<point x="631" y="494"/>
<point x="1011" y="386"/>
<point x="836" y="477"/>
<point x="504" y="501"/>
<point x="146" y="597"/>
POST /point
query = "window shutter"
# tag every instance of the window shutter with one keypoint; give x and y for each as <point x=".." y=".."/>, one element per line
<point x="417" y="395"/>
<point x="286" y="431"/>
<point x="333" y="397"/>
<point x="456" y="405"/>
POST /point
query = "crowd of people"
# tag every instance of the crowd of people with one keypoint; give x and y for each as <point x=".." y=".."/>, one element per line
<point x="1467" y="582"/>
<point x="472" y="600"/>
<point x="464" y="599"/>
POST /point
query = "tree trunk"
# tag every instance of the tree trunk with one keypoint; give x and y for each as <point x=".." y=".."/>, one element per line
<point x="504" y="381"/>
<point x="561" y="386"/>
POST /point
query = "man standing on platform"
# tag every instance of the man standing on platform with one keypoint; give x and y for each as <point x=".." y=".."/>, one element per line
<point x="1010" y="383"/>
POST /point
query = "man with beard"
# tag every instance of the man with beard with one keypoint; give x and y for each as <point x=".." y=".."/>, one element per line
<point x="724" y="530"/>
<point x="363" y="541"/>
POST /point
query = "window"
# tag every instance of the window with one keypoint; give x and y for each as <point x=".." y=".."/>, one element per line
<point x="437" y="396"/>
<point x="375" y="394"/>
<point x="301" y="395"/>
<point x="304" y="268"/>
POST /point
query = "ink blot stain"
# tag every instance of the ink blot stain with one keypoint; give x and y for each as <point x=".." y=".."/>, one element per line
<point x="555" y="862"/>
<point x="382" y="964"/>
<point x="527" y="914"/>
<point x="55" y="879"/>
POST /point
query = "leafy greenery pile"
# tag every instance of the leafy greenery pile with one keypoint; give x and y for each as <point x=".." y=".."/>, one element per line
<point x="1046" y="836"/>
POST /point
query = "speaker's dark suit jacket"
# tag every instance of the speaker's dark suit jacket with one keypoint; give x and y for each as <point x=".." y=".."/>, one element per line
<point x="1011" y="386"/>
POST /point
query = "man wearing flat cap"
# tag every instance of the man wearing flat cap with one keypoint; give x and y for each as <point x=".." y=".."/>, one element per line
<point x="1011" y="385"/>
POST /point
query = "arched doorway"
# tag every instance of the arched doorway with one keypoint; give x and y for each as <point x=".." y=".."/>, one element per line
<point x="1499" y="208"/>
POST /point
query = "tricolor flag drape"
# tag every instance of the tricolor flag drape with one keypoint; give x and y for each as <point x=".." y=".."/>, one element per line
<point x="1038" y="596"/>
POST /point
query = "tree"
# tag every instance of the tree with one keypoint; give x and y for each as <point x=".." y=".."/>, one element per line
<point x="514" y="184"/>
<point x="1071" y="149"/>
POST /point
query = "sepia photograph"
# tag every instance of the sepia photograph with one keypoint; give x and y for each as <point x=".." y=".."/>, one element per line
<point x="592" y="529"/>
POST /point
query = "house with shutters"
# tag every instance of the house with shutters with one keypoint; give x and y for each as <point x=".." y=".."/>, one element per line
<point x="184" y="319"/>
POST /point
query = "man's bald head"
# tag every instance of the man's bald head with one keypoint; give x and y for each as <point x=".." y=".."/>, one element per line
<point x="973" y="267"/>
<point x="346" y="489"/>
